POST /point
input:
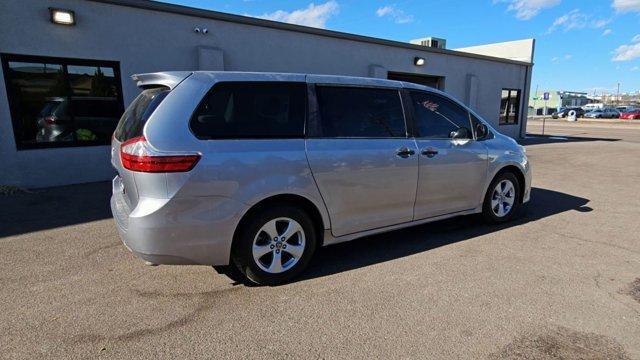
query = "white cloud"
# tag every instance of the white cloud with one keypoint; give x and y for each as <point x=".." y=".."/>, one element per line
<point x="600" y="23"/>
<point x="635" y="68"/>
<point x="576" y="19"/>
<point x="565" y="57"/>
<point x="528" y="9"/>
<point x="627" y="52"/>
<point x="636" y="39"/>
<point x="607" y="32"/>
<point x="399" y="16"/>
<point x="626" y="5"/>
<point x="313" y="15"/>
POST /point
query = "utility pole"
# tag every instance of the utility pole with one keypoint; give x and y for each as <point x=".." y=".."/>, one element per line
<point x="618" y="95"/>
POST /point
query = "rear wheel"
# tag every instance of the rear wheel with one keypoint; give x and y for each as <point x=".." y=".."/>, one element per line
<point x="274" y="245"/>
<point x="502" y="199"/>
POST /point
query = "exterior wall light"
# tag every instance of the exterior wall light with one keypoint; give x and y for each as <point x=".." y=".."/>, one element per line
<point x="62" y="16"/>
<point x="418" y="61"/>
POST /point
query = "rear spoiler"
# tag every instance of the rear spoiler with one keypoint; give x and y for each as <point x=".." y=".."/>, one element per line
<point x="170" y="79"/>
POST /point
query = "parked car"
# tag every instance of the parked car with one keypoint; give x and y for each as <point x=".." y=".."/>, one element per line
<point x="626" y="108"/>
<point x="631" y="115"/>
<point x="606" y="113"/>
<point x="591" y="107"/>
<point x="564" y="112"/>
<point x="86" y="118"/>
<point x="251" y="172"/>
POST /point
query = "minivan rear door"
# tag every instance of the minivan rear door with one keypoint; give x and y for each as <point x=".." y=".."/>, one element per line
<point x="131" y="126"/>
<point x="361" y="158"/>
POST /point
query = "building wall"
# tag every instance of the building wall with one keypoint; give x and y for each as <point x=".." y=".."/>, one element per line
<point x="148" y="41"/>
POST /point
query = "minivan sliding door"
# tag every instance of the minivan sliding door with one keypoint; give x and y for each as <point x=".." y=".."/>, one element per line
<point x="365" y="166"/>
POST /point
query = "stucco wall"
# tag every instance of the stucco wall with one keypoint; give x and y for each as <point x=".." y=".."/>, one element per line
<point x="148" y="41"/>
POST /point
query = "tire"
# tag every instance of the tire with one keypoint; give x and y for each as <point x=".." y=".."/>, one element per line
<point x="276" y="261"/>
<point x="231" y="271"/>
<point x="496" y="212"/>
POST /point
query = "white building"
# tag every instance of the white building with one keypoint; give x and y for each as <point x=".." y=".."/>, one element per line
<point x="78" y="75"/>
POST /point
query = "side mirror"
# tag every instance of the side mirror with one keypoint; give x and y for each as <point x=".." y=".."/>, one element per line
<point x="481" y="131"/>
<point x="460" y="134"/>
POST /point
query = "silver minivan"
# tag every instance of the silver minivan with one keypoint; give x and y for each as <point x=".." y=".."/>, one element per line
<point x="252" y="172"/>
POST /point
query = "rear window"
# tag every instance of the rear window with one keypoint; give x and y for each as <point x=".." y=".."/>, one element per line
<point x="137" y="114"/>
<point x="251" y="110"/>
<point x="49" y="108"/>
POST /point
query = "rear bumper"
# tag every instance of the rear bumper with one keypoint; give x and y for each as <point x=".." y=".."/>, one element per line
<point x="195" y="230"/>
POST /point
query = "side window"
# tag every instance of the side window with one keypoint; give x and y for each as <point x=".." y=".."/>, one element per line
<point x="476" y="128"/>
<point x="360" y="112"/>
<point x="235" y="110"/>
<point x="436" y="117"/>
<point x="509" y="107"/>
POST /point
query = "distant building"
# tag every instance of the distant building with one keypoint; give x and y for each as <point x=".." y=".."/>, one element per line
<point x="556" y="99"/>
<point x="431" y="41"/>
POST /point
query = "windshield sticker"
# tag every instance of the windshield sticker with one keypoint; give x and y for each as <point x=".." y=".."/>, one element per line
<point x="430" y="105"/>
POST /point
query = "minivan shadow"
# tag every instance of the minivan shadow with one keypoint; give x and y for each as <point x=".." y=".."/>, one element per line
<point x="54" y="207"/>
<point x="537" y="139"/>
<point x="376" y="249"/>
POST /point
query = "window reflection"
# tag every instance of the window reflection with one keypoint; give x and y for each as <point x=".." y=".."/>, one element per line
<point x="58" y="102"/>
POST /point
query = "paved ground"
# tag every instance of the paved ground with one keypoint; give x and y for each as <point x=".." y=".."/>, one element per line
<point x="560" y="282"/>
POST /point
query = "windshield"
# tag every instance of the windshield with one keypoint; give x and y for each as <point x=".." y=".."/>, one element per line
<point x="49" y="108"/>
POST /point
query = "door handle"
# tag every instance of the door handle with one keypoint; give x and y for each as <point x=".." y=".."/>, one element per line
<point x="405" y="152"/>
<point x="429" y="152"/>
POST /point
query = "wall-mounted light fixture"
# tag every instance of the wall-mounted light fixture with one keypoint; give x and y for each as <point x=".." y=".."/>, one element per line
<point x="418" y="61"/>
<point x="62" y="16"/>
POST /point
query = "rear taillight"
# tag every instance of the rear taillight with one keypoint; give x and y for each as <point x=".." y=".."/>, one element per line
<point x="137" y="155"/>
<point x="50" y="120"/>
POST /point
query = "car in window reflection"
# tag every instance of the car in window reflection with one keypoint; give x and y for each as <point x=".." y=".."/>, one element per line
<point x="83" y="118"/>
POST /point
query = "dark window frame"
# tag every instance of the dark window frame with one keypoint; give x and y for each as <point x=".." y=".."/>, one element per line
<point x="316" y="117"/>
<point x="415" y="127"/>
<point x="305" y="120"/>
<point x="505" y="121"/>
<point x="5" y="58"/>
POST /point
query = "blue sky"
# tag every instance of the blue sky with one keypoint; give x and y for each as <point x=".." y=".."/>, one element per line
<point x="581" y="45"/>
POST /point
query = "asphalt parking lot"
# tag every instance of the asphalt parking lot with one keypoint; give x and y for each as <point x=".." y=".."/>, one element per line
<point x="559" y="282"/>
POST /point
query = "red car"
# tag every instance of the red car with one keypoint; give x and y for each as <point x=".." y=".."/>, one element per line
<point x="631" y="115"/>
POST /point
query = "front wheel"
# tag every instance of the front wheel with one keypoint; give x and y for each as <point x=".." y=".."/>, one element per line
<point x="274" y="245"/>
<point x="502" y="199"/>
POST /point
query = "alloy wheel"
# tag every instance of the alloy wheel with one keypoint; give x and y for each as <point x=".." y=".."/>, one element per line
<point x="503" y="198"/>
<point x="278" y="245"/>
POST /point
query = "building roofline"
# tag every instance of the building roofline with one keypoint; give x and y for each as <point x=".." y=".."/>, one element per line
<point x="247" y="20"/>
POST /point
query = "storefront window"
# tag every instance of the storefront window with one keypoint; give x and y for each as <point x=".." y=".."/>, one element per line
<point x="62" y="102"/>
